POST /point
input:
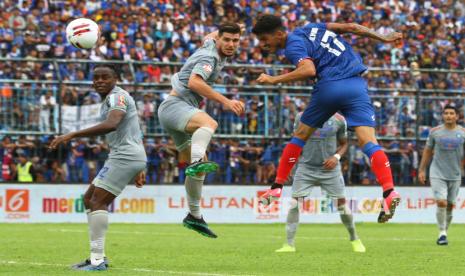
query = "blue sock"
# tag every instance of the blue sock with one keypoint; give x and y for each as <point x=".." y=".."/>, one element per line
<point x="298" y="142"/>
<point x="370" y="148"/>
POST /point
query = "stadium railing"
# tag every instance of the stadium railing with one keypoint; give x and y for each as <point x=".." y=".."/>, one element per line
<point x="404" y="114"/>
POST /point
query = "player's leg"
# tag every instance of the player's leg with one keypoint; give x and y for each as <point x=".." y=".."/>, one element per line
<point x="302" y="185"/>
<point x="193" y="184"/>
<point x="381" y="168"/>
<point x="202" y="127"/>
<point x="87" y="205"/>
<point x="359" y="113"/>
<point x="108" y="184"/>
<point x="335" y="189"/>
<point x="439" y="188"/>
<point x="178" y="117"/>
<point x="452" y="193"/>
<point x="449" y="215"/>
<point x="320" y="109"/>
<point x="292" y="222"/>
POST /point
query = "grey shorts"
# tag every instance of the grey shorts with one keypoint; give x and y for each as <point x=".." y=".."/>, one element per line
<point x="305" y="180"/>
<point x="116" y="174"/>
<point x="445" y="189"/>
<point x="174" y="114"/>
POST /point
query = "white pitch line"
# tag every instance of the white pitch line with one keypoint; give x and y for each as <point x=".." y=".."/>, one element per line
<point x="126" y="269"/>
<point x="237" y="236"/>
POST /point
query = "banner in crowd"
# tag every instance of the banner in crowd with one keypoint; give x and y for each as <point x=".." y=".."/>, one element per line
<point x="79" y="117"/>
<point x="220" y="204"/>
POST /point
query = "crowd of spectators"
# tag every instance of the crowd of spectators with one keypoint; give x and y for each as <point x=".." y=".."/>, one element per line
<point x="241" y="161"/>
<point x="169" y="31"/>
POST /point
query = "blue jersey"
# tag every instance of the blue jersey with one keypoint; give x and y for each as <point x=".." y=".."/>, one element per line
<point x="333" y="57"/>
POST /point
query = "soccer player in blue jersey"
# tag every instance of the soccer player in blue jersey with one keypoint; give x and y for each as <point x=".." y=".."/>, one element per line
<point x="318" y="51"/>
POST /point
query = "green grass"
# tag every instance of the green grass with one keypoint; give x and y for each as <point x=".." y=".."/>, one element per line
<point x="148" y="249"/>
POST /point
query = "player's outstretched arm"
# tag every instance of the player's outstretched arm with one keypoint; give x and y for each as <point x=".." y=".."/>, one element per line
<point x="425" y="160"/>
<point x="109" y="125"/>
<point x="305" y="69"/>
<point x="353" y="28"/>
<point x="199" y="86"/>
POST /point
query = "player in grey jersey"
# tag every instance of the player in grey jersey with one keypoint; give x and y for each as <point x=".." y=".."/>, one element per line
<point x="192" y="128"/>
<point x="445" y="146"/>
<point x="319" y="165"/>
<point x="126" y="161"/>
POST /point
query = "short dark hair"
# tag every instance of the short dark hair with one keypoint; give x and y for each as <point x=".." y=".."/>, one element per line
<point x="449" y="106"/>
<point x="268" y="24"/>
<point x="110" y="66"/>
<point x="229" y="27"/>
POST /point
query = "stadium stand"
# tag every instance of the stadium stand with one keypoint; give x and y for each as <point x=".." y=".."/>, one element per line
<point x="409" y="83"/>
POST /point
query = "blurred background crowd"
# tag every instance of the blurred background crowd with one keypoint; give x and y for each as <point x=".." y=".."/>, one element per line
<point x="150" y="33"/>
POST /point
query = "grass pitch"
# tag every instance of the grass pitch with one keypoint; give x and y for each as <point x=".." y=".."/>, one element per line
<point x="149" y="249"/>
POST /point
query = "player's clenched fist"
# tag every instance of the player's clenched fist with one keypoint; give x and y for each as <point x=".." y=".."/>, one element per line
<point x="265" y="79"/>
<point x="235" y="106"/>
<point x="393" y="37"/>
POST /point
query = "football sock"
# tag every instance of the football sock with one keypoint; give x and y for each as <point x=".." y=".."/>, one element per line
<point x="379" y="165"/>
<point x="292" y="223"/>
<point x="449" y="218"/>
<point x="441" y="219"/>
<point x="288" y="159"/>
<point x="98" y="224"/>
<point x="348" y="220"/>
<point x="200" y="140"/>
<point x="194" y="193"/>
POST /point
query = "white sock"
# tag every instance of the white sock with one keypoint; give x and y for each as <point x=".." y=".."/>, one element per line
<point x="199" y="142"/>
<point x="292" y="222"/>
<point x="348" y="221"/>
<point x="441" y="220"/>
<point x="193" y="186"/>
<point x="98" y="224"/>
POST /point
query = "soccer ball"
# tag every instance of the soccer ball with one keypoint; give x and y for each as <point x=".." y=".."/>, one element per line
<point x="82" y="33"/>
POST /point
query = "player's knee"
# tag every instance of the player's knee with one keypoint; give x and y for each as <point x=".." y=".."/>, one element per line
<point x="450" y="206"/>
<point x="96" y="204"/>
<point x="370" y="148"/>
<point x="341" y="202"/>
<point x="294" y="204"/>
<point x="442" y="203"/>
<point x="211" y="124"/>
<point x="302" y="134"/>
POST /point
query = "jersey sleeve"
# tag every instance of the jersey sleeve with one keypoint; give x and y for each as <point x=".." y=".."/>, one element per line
<point x="296" y="51"/>
<point x="204" y="67"/>
<point x="118" y="101"/>
<point x="430" y="141"/>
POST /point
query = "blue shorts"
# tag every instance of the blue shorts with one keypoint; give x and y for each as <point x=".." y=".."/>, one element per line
<point x="347" y="96"/>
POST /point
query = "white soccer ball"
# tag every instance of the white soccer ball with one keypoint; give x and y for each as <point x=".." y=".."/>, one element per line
<point x="82" y="33"/>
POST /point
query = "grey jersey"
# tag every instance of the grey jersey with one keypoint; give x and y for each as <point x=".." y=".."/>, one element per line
<point x="322" y="145"/>
<point x="126" y="141"/>
<point x="206" y="63"/>
<point x="448" y="152"/>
